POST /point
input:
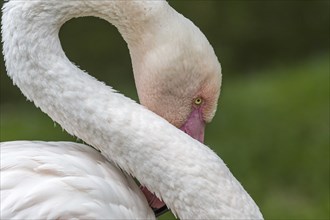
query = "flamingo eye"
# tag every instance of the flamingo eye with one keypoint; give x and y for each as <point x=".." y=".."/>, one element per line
<point x="198" y="101"/>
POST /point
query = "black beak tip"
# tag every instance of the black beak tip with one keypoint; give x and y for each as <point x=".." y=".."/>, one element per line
<point x="160" y="211"/>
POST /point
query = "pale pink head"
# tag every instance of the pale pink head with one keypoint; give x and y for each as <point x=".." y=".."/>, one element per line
<point x="178" y="76"/>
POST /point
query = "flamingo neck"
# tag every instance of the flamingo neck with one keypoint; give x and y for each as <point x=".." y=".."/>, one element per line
<point x="40" y="68"/>
<point x="191" y="179"/>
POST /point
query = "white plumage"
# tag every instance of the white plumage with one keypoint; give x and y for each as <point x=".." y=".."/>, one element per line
<point x="189" y="177"/>
<point x="62" y="180"/>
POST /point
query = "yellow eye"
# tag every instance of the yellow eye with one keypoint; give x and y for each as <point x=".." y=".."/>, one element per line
<point x="198" y="101"/>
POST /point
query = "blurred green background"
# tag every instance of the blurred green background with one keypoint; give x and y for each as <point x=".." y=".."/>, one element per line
<point x="272" y="124"/>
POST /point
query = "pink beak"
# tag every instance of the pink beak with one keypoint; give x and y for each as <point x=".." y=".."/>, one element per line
<point x="195" y="125"/>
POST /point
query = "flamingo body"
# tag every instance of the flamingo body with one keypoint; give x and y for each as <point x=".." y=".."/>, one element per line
<point x="62" y="180"/>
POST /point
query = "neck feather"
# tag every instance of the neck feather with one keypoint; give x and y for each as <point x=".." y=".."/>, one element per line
<point x="192" y="180"/>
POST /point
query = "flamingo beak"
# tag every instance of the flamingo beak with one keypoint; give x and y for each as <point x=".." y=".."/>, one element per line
<point x="195" y="125"/>
<point x="158" y="206"/>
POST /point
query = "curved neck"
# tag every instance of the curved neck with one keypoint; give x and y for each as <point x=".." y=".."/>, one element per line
<point x="137" y="140"/>
<point x="41" y="69"/>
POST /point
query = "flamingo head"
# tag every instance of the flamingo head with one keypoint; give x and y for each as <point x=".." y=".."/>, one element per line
<point x="178" y="76"/>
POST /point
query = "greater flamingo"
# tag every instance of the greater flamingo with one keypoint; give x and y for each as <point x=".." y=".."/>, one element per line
<point x="177" y="76"/>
